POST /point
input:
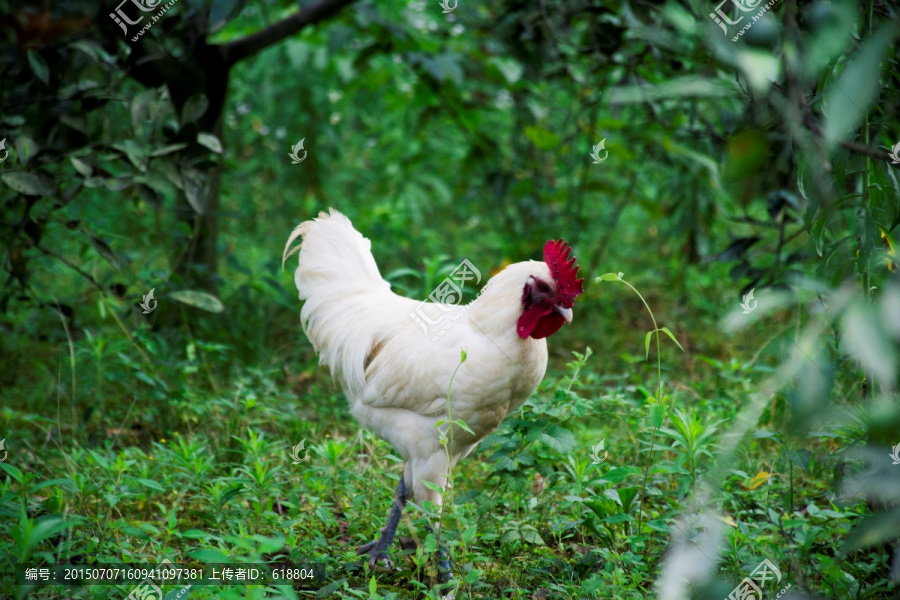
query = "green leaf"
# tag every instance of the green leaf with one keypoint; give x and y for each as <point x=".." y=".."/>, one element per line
<point x="29" y="184"/>
<point x="505" y="463"/>
<point x="530" y="534"/>
<point x="856" y="88"/>
<point x="559" y="438"/>
<point x="599" y="507"/>
<point x="200" y="300"/>
<point x="195" y="534"/>
<point x="14" y="472"/>
<point x="42" y="529"/>
<point x="135" y="532"/>
<point x="444" y="67"/>
<point x="78" y="123"/>
<point x="627" y="496"/>
<point x="268" y="544"/>
<point x="865" y="337"/>
<point x="153" y="485"/>
<point x="104" y="250"/>
<point x="117" y="184"/>
<point x="469" y="534"/>
<point x="542" y="138"/>
<point x="149" y="527"/>
<point x="657" y="413"/>
<point x="873" y="530"/>
<point x="168" y="149"/>
<point x="38" y="66"/>
<point x="677" y="87"/>
<point x="134" y="151"/>
<point x="223" y="11"/>
<point x="26" y="147"/>
<point x="210" y="141"/>
<point x="510" y="69"/>
<point x="465" y="427"/>
<point x="430" y="544"/>
<point x="671" y="336"/>
<point x="231" y="492"/>
<point x="433" y="487"/>
<point x="93" y="50"/>
<point x="610" y="277"/>
<point x="100" y="460"/>
<point x="800" y="458"/>
<point x="523" y="458"/>
<point x="209" y="555"/>
<point x="64" y="482"/>
<point x="193" y="184"/>
<point x="619" y="518"/>
<point x="760" y="67"/>
<point x="509" y="536"/>
<point x="82" y="167"/>
<point x="330" y="588"/>
<point x="141" y="107"/>
<point x="194" y="108"/>
<point x="647" y="345"/>
<point x="620" y="473"/>
<point x="534" y="433"/>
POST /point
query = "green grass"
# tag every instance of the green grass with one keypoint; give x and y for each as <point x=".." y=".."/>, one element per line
<point x="168" y="460"/>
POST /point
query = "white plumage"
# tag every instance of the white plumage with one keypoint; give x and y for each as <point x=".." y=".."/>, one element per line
<point x="395" y="375"/>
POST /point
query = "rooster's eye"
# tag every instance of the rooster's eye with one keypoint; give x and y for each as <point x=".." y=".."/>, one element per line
<point x="543" y="287"/>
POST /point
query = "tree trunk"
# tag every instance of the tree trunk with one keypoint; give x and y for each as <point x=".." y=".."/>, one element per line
<point x="197" y="205"/>
<point x="203" y="69"/>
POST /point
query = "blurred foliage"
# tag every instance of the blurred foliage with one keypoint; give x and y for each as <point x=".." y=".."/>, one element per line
<point x="760" y="164"/>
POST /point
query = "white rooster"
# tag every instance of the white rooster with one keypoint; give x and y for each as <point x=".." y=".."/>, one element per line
<point x="396" y="378"/>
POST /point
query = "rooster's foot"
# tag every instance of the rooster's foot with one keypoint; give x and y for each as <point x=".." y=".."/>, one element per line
<point x="444" y="568"/>
<point x="444" y="564"/>
<point x="377" y="552"/>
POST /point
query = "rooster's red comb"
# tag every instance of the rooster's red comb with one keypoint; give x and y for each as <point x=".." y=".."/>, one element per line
<point x="564" y="271"/>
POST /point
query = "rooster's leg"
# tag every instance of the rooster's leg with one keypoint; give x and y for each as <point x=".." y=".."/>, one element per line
<point x="444" y="564"/>
<point x="378" y="550"/>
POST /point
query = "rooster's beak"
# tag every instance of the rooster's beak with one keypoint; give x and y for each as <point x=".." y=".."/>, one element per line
<point x="565" y="312"/>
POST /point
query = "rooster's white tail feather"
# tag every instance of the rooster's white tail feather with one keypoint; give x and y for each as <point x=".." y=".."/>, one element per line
<point x="340" y="282"/>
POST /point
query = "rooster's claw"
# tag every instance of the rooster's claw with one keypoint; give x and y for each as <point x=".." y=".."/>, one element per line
<point x="382" y="560"/>
<point x="376" y="555"/>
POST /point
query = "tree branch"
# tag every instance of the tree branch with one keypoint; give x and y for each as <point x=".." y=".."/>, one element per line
<point x="853" y="147"/>
<point x="865" y="150"/>
<point x="238" y="50"/>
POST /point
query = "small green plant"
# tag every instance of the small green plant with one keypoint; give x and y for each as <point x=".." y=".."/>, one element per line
<point x="657" y="408"/>
<point x="691" y="440"/>
<point x="446" y="439"/>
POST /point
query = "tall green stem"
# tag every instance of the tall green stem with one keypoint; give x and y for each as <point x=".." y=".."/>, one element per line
<point x="658" y="401"/>
<point x="447" y="442"/>
<point x="656" y="422"/>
